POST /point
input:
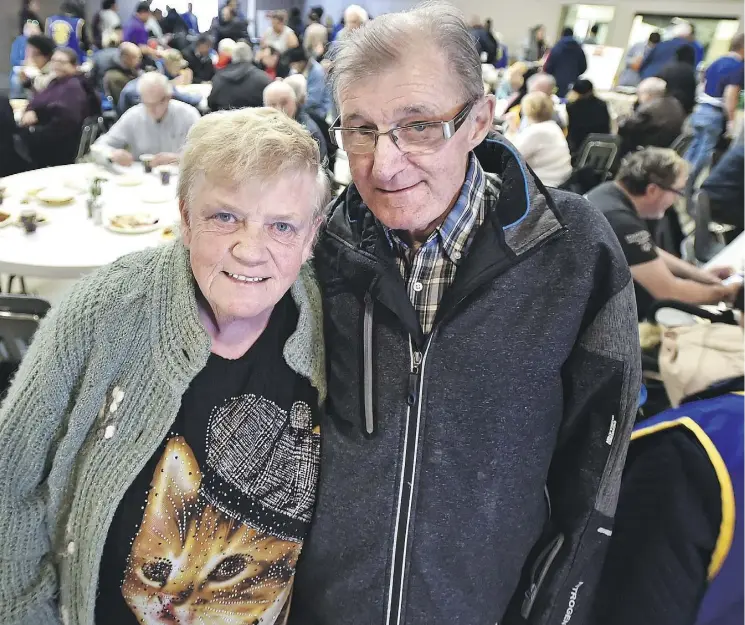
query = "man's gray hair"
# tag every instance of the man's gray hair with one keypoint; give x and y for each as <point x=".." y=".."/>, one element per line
<point x="154" y="81"/>
<point x="653" y="87"/>
<point x="389" y="39"/>
<point x="242" y="53"/>
<point x="543" y="82"/>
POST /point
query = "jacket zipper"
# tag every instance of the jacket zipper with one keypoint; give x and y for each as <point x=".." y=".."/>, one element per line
<point x="406" y="488"/>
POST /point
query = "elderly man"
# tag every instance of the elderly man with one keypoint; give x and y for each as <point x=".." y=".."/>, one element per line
<point x="281" y="96"/>
<point x="657" y="120"/>
<point x="319" y="97"/>
<point x="200" y="62"/>
<point x="546" y="83"/>
<point x="646" y="185"/>
<point x="482" y="352"/>
<point x="158" y="126"/>
<point x="241" y="84"/>
<point x="354" y="17"/>
<point x="125" y="69"/>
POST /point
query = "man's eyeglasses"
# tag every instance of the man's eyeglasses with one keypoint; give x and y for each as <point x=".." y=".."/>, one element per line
<point x="678" y="192"/>
<point x="412" y="139"/>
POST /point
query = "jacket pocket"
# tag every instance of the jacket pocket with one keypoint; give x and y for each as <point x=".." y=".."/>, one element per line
<point x="569" y="595"/>
<point x="539" y="571"/>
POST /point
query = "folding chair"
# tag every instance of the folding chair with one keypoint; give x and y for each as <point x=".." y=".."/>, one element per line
<point x="682" y="143"/>
<point x="19" y="319"/>
<point x="599" y="152"/>
<point x="91" y="128"/>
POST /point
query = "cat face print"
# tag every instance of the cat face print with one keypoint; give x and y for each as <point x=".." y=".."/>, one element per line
<point x="191" y="563"/>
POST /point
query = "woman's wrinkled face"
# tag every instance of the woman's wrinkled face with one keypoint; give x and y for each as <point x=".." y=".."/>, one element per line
<point x="247" y="243"/>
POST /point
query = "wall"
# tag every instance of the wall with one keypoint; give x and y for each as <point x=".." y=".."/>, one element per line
<point x="513" y="18"/>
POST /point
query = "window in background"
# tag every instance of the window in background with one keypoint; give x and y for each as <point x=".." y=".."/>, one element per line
<point x="714" y="33"/>
<point x="582" y="17"/>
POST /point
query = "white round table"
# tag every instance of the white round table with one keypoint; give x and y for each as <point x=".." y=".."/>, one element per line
<point x="70" y="245"/>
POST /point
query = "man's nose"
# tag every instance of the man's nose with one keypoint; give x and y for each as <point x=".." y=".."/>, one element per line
<point x="387" y="158"/>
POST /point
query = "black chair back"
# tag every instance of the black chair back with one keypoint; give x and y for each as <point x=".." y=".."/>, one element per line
<point x="708" y="238"/>
<point x="92" y="127"/>
<point x="19" y="319"/>
<point x="682" y="143"/>
<point x="599" y="152"/>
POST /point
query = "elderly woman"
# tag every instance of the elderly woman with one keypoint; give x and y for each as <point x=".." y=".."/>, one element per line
<point x="160" y="453"/>
<point x="542" y="142"/>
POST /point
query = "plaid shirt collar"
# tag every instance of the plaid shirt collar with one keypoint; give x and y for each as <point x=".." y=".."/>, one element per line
<point x="453" y="234"/>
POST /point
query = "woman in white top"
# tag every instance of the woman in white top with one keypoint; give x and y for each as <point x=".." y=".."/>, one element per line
<point x="542" y="142"/>
<point x="280" y="36"/>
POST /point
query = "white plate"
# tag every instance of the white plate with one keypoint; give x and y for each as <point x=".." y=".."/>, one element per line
<point x="158" y="198"/>
<point x="136" y="230"/>
<point x="55" y="196"/>
<point x="7" y="221"/>
<point x="129" y="180"/>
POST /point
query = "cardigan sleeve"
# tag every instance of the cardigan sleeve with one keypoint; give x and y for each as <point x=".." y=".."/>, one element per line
<point x="31" y="421"/>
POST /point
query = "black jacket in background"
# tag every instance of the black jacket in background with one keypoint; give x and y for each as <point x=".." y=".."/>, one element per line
<point x="586" y="116"/>
<point x="566" y="63"/>
<point x="201" y="66"/>
<point x="437" y="448"/>
<point x="239" y="85"/>
<point x="235" y="29"/>
<point x="486" y="43"/>
<point x="655" y="124"/>
<point x="681" y="83"/>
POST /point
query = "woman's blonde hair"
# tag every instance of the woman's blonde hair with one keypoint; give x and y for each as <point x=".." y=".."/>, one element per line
<point x="537" y="107"/>
<point x="229" y="148"/>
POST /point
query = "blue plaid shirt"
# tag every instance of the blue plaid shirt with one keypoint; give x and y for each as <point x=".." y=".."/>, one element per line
<point x="430" y="270"/>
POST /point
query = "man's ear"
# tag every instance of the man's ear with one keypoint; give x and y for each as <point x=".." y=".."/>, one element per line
<point x="185" y="222"/>
<point x="483" y="120"/>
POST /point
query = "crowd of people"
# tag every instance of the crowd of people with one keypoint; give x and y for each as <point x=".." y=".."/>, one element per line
<point x="426" y="384"/>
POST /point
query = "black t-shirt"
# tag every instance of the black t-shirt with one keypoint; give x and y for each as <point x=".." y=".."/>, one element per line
<point x="632" y="232"/>
<point x="214" y="523"/>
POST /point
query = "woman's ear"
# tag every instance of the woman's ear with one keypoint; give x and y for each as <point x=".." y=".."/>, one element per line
<point x="185" y="222"/>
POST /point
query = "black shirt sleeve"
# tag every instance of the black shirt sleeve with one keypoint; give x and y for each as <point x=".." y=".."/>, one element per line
<point x="636" y="240"/>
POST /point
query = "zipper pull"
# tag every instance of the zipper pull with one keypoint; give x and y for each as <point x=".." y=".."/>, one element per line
<point x="413" y="383"/>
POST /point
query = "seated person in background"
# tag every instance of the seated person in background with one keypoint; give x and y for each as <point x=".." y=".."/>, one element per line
<point x="199" y="59"/>
<point x="125" y="68"/>
<point x="224" y="53"/>
<point x="545" y="83"/>
<point x="241" y="84"/>
<point x="318" y="100"/>
<point x="18" y="58"/>
<point x="647" y="183"/>
<point x="680" y="77"/>
<point x="300" y="87"/>
<point x="36" y="73"/>
<point x="271" y="61"/>
<point x="316" y="35"/>
<point x="279" y="35"/>
<point x="51" y="125"/>
<point x="158" y="125"/>
<point x="725" y="187"/>
<point x="512" y="82"/>
<point x="10" y="162"/>
<point x="229" y="25"/>
<point x="131" y="96"/>
<point x="542" y="142"/>
<point x="105" y="58"/>
<point x="175" y="68"/>
<point x="281" y="96"/>
<point x="587" y="114"/>
<point x="657" y="120"/>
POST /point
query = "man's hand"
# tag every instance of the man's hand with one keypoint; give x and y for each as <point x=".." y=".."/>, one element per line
<point x="164" y="158"/>
<point x="122" y="157"/>
<point x="29" y="119"/>
<point x="719" y="273"/>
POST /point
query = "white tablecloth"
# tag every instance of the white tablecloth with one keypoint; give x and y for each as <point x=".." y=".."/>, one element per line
<point x="620" y="105"/>
<point x="203" y="90"/>
<point x="731" y="256"/>
<point x="70" y="245"/>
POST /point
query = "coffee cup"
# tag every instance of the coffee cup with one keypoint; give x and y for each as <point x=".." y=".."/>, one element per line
<point x="29" y="220"/>
<point x="147" y="160"/>
<point x="165" y="175"/>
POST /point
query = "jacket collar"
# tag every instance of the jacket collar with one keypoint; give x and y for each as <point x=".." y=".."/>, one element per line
<point x="182" y="345"/>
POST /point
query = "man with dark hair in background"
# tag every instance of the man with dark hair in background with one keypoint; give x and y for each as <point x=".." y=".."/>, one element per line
<point x="198" y="57"/>
<point x="634" y="58"/>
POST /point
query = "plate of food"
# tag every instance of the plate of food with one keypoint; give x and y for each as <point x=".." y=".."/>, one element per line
<point x="55" y="196"/>
<point x="135" y="223"/>
<point x="5" y="219"/>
